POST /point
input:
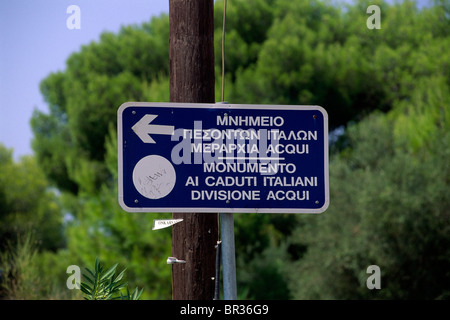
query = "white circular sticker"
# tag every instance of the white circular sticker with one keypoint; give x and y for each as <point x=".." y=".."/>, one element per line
<point x="154" y="177"/>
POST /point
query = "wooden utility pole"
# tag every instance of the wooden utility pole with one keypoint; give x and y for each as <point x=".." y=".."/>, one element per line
<point x="191" y="55"/>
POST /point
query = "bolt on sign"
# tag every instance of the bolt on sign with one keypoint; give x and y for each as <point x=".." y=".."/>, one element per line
<point x="185" y="157"/>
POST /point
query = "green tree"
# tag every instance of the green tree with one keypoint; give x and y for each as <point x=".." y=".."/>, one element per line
<point x="387" y="88"/>
<point x="27" y="204"/>
<point x="390" y="208"/>
<point x="69" y="141"/>
<point x="31" y="229"/>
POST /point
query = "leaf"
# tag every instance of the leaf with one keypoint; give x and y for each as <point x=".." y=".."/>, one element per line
<point x="88" y="278"/>
<point x="98" y="266"/>
<point x="119" y="286"/>
<point x="107" y="297"/>
<point x="86" y="289"/>
<point x="109" y="273"/>
<point x="91" y="273"/>
<point x="120" y="276"/>
<point x="140" y="293"/>
<point x="134" y="294"/>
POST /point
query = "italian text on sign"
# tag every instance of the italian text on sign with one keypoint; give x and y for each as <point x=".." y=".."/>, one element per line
<point x="176" y="157"/>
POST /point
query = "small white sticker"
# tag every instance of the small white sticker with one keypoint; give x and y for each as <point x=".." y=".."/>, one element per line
<point x="154" y="177"/>
<point x="161" y="224"/>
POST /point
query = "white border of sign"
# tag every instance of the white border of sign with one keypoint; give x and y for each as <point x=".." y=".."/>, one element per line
<point x="220" y="106"/>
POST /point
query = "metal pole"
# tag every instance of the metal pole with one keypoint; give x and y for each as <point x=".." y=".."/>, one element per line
<point x="228" y="256"/>
<point x="217" y="277"/>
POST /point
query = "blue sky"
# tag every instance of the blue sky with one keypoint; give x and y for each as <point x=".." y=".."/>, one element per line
<point x="35" y="41"/>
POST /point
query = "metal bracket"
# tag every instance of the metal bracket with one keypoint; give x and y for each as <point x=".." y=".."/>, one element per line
<point x="173" y="260"/>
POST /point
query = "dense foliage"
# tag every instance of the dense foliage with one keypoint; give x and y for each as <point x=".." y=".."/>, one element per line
<point x="387" y="93"/>
<point x="26" y="204"/>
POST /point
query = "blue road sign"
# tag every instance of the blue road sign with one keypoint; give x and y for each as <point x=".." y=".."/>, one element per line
<point x="176" y="157"/>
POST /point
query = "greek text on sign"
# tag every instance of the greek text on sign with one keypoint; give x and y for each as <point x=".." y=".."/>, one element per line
<point x="176" y="157"/>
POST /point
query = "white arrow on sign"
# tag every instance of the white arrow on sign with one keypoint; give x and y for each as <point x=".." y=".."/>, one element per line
<point x="143" y="128"/>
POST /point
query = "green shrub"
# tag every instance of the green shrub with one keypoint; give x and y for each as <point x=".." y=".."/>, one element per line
<point x="105" y="285"/>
